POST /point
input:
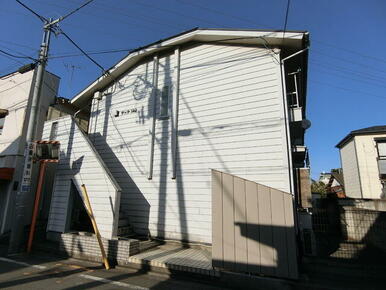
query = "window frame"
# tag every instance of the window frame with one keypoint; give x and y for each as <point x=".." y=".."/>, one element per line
<point x="164" y="114"/>
<point x="377" y="141"/>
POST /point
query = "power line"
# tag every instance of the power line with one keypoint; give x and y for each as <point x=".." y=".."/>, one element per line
<point x="13" y="59"/>
<point x="17" y="56"/>
<point x="250" y="21"/>
<point x="15" y="86"/>
<point x="90" y="53"/>
<point x="33" y="12"/>
<point x="18" y="44"/>
<point x="223" y="13"/>
<point x="348" y="61"/>
<point x="286" y="17"/>
<point x="84" y="53"/>
<point x="361" y="81"/>
<point x="350" y="90"/>
<point x="75" y="10"/>
<point x="344" y="69"/>
<point x="350" y="51"/>
<point x="175" y="12"/>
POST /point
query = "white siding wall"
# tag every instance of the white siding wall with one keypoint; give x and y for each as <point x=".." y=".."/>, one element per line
<point x="352" y="183"/>
<point x="231" y="118"/>
<point x="80" y="162"/>
<point x="368" y="165"/>
<point x="14" y="93"/>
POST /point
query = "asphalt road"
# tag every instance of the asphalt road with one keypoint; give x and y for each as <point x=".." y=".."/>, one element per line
<point x="45" y="272"/>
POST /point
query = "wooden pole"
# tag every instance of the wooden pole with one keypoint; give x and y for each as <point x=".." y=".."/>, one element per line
<point x="42" y="170"/>
<point x="94" y="225"/>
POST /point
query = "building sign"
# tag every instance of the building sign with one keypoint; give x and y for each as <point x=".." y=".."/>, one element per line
<point x="26" y="181"/>
<point x="125" y="112"/>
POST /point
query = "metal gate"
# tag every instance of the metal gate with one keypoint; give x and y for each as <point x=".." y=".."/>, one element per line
<point x="252" y="227"/>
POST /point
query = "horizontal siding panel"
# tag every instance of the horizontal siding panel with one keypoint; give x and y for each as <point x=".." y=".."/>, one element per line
<point x="230" y="112"/>
<point x="79" y="162"/>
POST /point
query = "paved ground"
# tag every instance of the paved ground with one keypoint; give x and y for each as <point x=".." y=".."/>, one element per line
<point x="44" y="272"/>
<point x="175" y="256"/>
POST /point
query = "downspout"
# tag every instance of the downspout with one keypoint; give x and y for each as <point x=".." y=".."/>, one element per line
<point x="288" y="136"/>
<point x="153" y="117"/>
<point x="176" y="96"/>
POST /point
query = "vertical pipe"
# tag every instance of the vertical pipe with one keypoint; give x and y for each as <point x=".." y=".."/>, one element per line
<point x="42" y="171"/>
<point x="176" y="95"/>
<point x="286" y="120"/>
<point x="153" y="116"/>
<point x="296" y="90"/>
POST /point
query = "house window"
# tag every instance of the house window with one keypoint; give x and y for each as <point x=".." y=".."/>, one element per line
<point x="2" y="120"/>
<point x="164" y="104"/>
<point x="54" y="131"/>
<point x="381" y="147"/>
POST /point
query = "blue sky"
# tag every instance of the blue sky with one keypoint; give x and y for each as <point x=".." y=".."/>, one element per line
<point x="347" y="64"/>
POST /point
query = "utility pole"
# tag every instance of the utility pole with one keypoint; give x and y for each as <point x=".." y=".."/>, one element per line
<point x="16" y="241"/>
<point x="17" y="233"/>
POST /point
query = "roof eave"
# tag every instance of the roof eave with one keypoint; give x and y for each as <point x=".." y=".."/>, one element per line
<point x="276" y="38"/>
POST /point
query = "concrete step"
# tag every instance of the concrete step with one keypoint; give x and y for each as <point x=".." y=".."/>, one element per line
<point x="149" y="244"/>
<point x="125" y="231"/>
<point x="123" y="222"/>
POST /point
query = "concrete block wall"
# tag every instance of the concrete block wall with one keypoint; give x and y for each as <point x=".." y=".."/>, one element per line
<point x="86" y="247"/>
<point x="367" y="226"/>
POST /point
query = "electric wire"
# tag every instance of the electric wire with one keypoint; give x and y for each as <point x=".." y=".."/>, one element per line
<point x="250" y="21"/>
<point x="349" y="90"/>
<point x="17" y="56"/>
<point x="286" y="17"/>
<point x="83" y="52"/>
<point x="12" y="59"/>
<point x="33" y="12"/>
<point x="75" y="10"/>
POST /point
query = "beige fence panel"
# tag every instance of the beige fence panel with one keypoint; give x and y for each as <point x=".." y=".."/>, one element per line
<point x="253" y="227"/>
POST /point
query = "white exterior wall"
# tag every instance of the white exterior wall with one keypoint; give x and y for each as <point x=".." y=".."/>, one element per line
<point x="15" y="91"/>
<point x="352" y="183"/>
<point x="80" y="162"/>
<point x="15" y="94"/>
<point x="368" y="165"/>
<point x="231" y="118"/>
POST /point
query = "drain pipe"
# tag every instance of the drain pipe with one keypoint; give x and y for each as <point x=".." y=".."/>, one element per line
<point x="288" y="136"/>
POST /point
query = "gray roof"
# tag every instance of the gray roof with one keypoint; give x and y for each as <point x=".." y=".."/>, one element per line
<point x="364" y="131"/>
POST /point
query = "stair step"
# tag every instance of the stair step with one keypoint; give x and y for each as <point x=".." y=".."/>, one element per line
<point x="126" y="231"/>
<point x="149" y="244"/>
<point x="123" y="222"/>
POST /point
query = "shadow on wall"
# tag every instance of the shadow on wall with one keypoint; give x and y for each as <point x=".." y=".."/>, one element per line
<point x="272" y="257"/>
<point x="166" y="166"/>
<point x="253" y="227"/>
<point x="129" y="188"/>
<point x="119" y="172"/>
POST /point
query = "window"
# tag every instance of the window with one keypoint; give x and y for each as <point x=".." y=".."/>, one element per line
<point x="54" y="131"/>
<point x="2" y="119"/>
<point x="164" y="104"/>
<point x="381" y="147"/>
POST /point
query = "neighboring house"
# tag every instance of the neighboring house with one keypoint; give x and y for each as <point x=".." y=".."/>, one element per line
<point x="324" y="177"/>
<point x="336" y="183"/>
<point x="333" y="181"/>
<point x="16" y="91"/>
<point x="168" y="113"/>
<point x="363" y="159"/>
